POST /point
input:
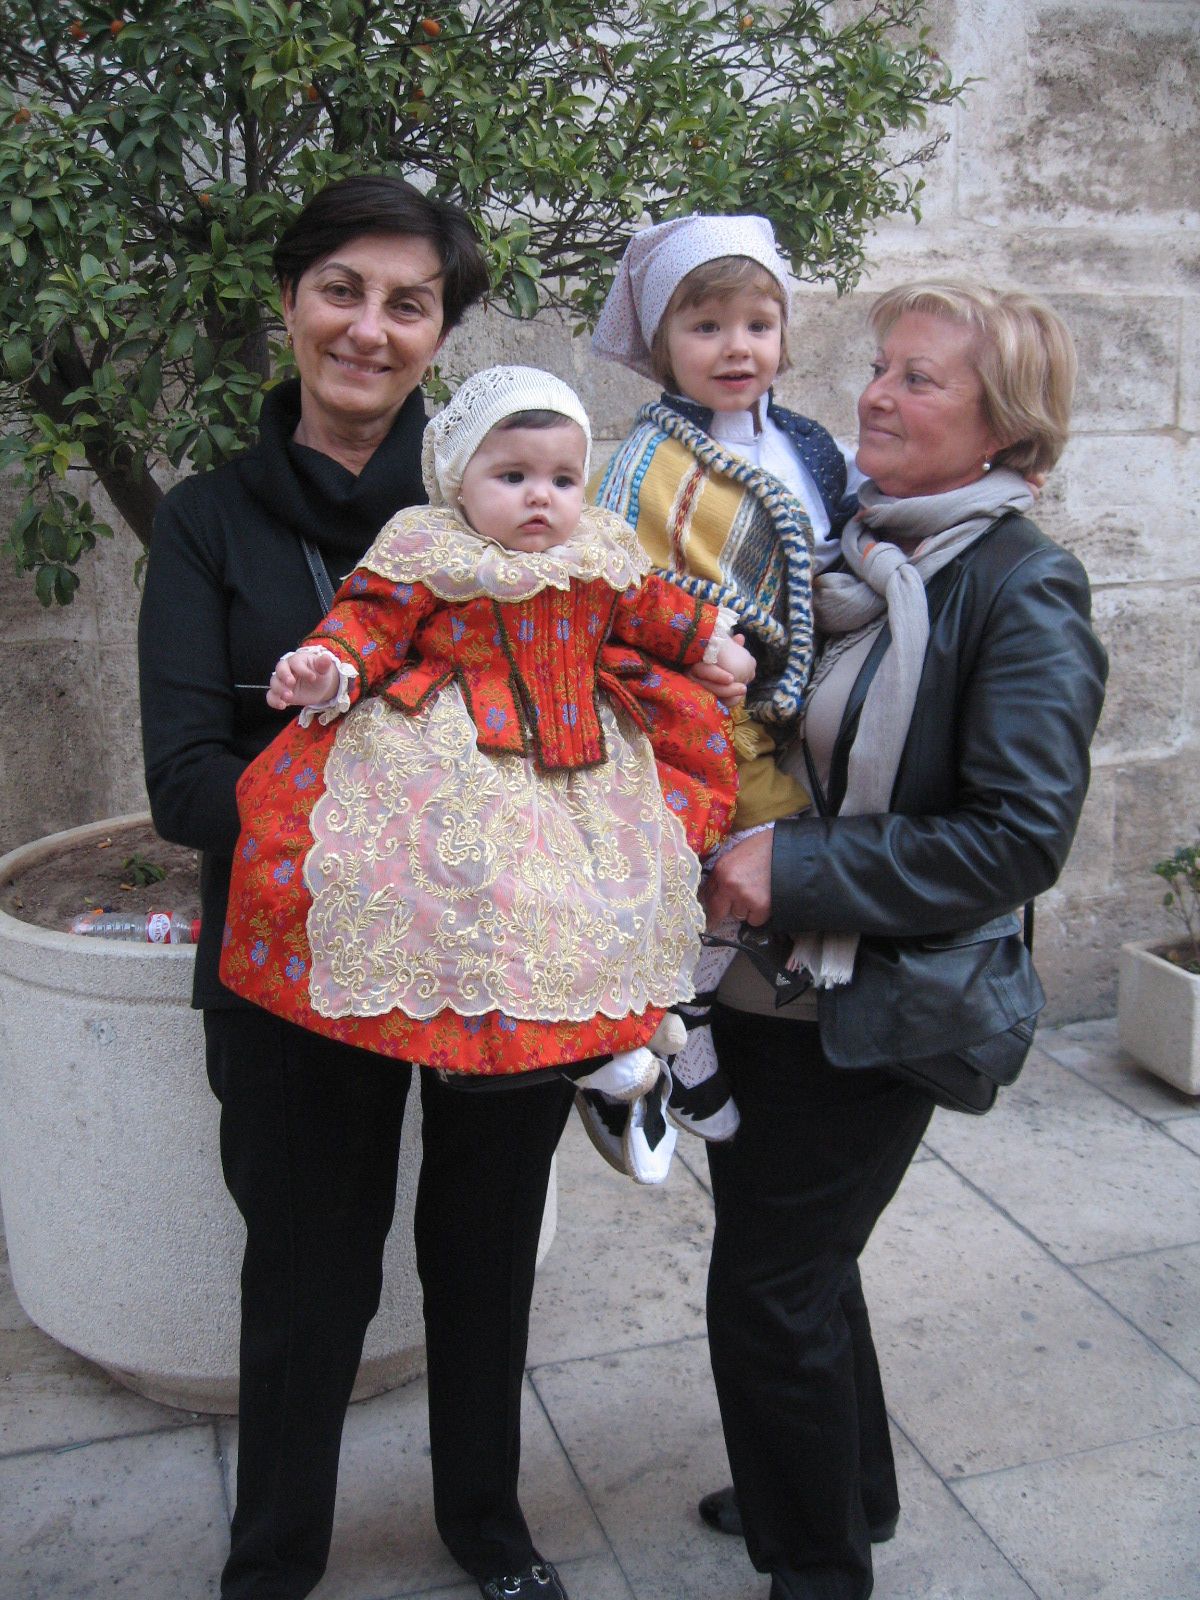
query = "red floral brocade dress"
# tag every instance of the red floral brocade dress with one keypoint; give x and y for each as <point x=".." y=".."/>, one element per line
<point x="489" y="862"/>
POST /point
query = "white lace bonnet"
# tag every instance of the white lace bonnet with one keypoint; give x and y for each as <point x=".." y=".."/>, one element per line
<point x="655" y="263"/>
<point x="485" y="399"/>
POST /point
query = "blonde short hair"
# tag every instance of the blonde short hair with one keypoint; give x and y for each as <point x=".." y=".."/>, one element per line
<point x="718" y="279"/>
<point x="1024" y="356"/>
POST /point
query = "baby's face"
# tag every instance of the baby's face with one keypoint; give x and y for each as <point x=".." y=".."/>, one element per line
<point x="523" y="487"/>
<point x="725" y="351"/>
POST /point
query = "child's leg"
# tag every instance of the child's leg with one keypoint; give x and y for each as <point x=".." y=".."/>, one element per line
<point x="624" y="1077"/>
<point x="700" y="1100"/>
<point x="633" y="1073"/>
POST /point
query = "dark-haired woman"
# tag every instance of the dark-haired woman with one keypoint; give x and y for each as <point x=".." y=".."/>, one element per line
<point x="373" y="276"/>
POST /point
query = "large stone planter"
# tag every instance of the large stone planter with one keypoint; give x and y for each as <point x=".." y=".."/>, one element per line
<point x="124" y="1243"/>
<point x="1158" y="1016"/>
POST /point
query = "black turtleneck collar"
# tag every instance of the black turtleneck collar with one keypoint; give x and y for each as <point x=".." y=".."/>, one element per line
<point x="340" y="512"/>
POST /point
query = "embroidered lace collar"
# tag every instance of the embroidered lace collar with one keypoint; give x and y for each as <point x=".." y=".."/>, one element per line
<point x="435" y="547"/>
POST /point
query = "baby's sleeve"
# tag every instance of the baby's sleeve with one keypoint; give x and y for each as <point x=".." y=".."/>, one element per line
<point x="370" y="626"/>
<point x="659" y="617"/>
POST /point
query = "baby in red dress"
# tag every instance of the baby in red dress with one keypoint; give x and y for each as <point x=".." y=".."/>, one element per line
<point x="476" y="848"/>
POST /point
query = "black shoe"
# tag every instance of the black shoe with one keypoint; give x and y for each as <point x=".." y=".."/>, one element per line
<point x="537" y="1581"/>
<point x="720" y="1510"/>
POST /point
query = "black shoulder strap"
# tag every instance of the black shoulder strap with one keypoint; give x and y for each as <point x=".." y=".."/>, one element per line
<point x="320" y="576"/>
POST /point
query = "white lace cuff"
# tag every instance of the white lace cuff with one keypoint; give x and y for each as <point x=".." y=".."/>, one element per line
<point x="339" y="703"/>
<point x="722" y="630"/>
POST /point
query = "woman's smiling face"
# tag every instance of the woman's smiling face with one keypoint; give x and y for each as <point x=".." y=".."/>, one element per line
<point x="365" y="323"/>
<point x="921" y="425"/>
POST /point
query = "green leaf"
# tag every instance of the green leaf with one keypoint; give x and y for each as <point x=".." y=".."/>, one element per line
<point x="180" y="341"/>
<point x="18" y="357"/>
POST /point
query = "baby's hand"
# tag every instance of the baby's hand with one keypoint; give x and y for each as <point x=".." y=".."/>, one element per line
<point x="737" y="661"/>
<point x="728" y="674"/>
<point x="305" y="677"/>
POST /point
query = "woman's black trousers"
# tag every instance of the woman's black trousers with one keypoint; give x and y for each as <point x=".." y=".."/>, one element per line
<point x="310" y="1134"/>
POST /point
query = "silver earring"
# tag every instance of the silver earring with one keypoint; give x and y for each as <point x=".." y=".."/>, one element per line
<point x="987" y="465"/>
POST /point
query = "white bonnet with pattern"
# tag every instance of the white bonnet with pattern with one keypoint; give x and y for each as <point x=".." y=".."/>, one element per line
<point x="484" y="400"/>
<point x="655" y="263"/>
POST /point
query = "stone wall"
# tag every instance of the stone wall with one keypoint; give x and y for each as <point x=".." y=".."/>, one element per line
<point x="1069" y="172"/>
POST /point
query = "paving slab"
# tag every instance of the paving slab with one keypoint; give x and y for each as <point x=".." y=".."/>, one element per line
<point x="142" y="1518"/>
<point x="50" y="1397"/>
<point x="1104" y="1525"/>
<point x="1160" y="1295"/>
<point x="993" y="1354"/>
<point x="629" y="1261"/>
<point x="1088" y="1177"/>
<point x="1093" y="1050"/>
<point x="939" y="1552"/>
<point x="642" y="1431"/>
<point x="1186" y="1130"/>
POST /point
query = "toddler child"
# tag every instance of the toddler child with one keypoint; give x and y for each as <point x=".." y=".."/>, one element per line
<point x="728" y="493"/>
<point x="477" y="847"/>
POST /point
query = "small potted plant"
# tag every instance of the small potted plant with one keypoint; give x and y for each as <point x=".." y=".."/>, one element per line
<point x="1158" y="1004"/>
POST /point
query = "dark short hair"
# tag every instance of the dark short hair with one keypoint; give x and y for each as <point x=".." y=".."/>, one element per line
<point x="376" y="203"/>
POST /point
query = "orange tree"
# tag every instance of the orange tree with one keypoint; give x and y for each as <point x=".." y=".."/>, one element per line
<point x="149" y="152"/>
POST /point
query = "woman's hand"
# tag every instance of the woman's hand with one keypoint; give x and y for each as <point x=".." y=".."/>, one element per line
<point x="728" y="673"/>
<point x="739" y="886"/>
<point x="307" y="677"/>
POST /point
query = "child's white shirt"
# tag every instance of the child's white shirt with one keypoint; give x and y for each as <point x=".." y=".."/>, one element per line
<point x="768" y="447"/>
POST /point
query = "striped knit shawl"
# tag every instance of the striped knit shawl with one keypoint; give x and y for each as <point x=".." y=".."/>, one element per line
<point x="728" y="533"/>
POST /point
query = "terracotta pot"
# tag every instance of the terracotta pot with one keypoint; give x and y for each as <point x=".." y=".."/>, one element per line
<point x="124" y="1243"/>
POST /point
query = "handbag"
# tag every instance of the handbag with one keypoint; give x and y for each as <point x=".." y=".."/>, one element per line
<point x="954" y="1014"/>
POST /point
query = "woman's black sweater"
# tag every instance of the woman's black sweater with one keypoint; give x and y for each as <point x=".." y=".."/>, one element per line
<point x="228" y="591"/>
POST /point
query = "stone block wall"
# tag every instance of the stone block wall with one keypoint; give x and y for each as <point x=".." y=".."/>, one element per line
<point x="1070" y="171"/>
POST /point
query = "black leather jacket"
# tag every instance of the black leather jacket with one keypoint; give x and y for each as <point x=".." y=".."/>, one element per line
<point x="995" y="767"/>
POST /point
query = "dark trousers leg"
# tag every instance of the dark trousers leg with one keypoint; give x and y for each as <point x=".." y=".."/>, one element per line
<point x="817" y="1158"/>
<point x="484" y="1173"/>
<point x="876" y="1463"/>
<point x="310" y="1134"/>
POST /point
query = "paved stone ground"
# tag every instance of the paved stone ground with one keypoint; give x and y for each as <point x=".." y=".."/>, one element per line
<point x="1036" y="1299"/>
